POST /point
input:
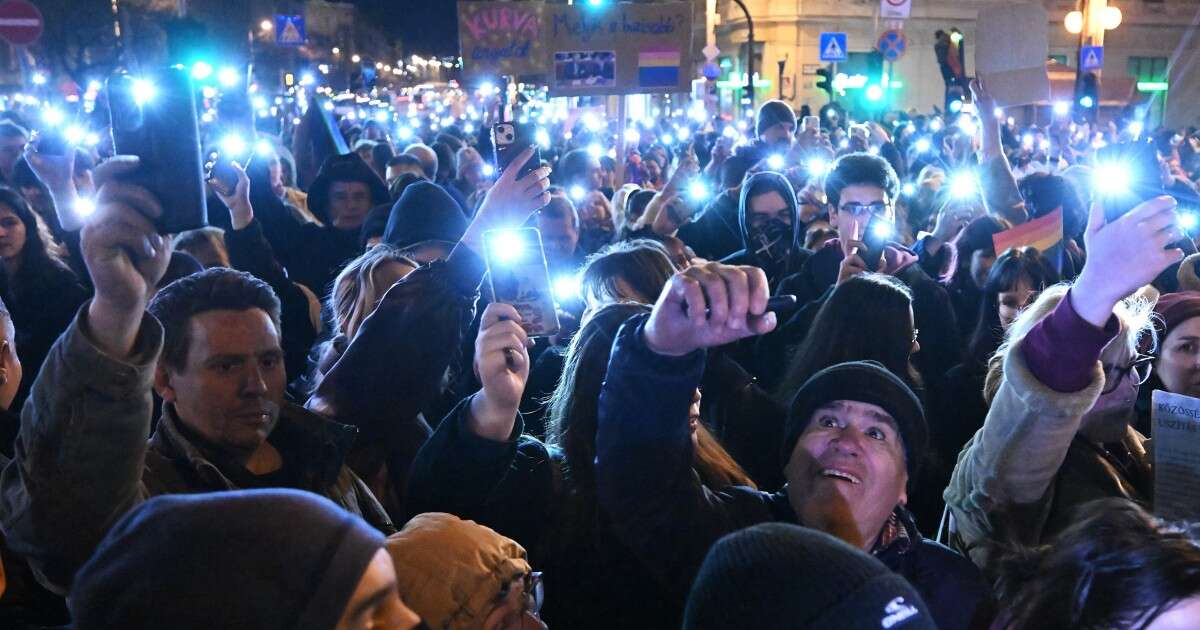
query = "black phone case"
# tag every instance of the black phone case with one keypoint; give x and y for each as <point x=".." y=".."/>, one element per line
<point x="509" y="140"/>
<point x="164" y="134"/>
<point x="875" y="245"/>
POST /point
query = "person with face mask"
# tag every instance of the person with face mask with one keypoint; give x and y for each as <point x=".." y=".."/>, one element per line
<point x="1061" y="392"/>
<point x="770" y="226"/>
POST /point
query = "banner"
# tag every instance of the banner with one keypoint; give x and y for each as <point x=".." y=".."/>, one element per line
<point x="1176" y="429"/>
<point x="502" y="38"/>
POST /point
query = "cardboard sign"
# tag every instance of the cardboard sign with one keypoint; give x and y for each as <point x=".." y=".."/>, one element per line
<point x="502" y="38"/>
<point x="619" y="48"/>
<point x="1176" y="422"/>
<point x="1012" y="44"/>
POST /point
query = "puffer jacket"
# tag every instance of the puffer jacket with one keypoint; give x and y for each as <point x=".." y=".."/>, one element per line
<point x="82" y="459"/>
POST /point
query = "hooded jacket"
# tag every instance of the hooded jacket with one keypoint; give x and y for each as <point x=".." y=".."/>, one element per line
<point x="751" y="252"/>
<point x="82" y="459"/>
<point x="424" y="212"/>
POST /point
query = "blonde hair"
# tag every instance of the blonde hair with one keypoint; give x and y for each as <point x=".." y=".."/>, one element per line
<point x="1133" y="315"/>
<point x="356" y="293"/>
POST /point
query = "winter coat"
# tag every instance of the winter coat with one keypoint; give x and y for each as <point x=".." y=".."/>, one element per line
<point x="661" y="511"/>
<point x="83" y="460"/>
<point x="1022" y="475"/>
<point x="776" y="271"/>
<point x="717" y="232"/>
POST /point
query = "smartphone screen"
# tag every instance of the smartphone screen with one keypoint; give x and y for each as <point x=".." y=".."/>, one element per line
<point x="519" y="276"/>
<point x="810" y="122"/>
<point x="878" y="234"/>
<point x="509" y="140"/>
<point x="1138" y="161"/>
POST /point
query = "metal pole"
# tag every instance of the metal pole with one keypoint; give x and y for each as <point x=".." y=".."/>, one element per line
<point x="749" y="55"/>
<point x="619" y="169"/>
<point x="782" y="63"/>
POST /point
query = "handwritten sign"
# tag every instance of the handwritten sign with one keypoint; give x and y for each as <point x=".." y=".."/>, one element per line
<point x="1176" y="449"/>
<point x="502" y="38"/>
<point x="650" y="47"/>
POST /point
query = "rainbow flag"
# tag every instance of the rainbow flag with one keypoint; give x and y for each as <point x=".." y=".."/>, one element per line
<point x="1043" y="233"/>
<point x="658" y="67"/>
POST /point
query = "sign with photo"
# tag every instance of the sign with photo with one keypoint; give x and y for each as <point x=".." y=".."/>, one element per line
<point x="585" y="68"/>
<point x="502" y="38"/>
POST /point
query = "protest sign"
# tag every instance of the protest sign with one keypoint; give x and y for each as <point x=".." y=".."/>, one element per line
<point x="620" y="48"/>
<point x="1012" y="44"/>
<point x="502" y="38"/>
<point x="1176" y="428"/>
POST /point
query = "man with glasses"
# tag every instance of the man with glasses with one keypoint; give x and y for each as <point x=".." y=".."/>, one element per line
<point x="859" y="187"/>
<point x="1057" y="433"/>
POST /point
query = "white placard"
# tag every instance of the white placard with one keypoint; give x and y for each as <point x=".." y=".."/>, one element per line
<point x="1176" y="431"/>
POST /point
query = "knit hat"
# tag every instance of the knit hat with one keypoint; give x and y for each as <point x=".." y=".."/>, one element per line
<point x="866" y="382"/>
<point x="424" y="212"/>
<point x="450" y="570"/>
<point x="343" y="168"/>
<point x="777" y="576"/>
<point x="772" y="113"/>
<point x="1172" y="309"/>
<point x="238" y="559"/>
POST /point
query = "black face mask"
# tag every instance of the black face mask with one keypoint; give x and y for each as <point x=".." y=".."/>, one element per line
<point x="771" y="242"/>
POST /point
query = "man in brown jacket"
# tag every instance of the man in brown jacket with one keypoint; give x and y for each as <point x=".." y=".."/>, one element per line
<point x="209" y="344"/>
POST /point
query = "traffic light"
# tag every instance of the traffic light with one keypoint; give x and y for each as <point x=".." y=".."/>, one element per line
<point x="825" y="81"/>
<point x="1087" y="96"/>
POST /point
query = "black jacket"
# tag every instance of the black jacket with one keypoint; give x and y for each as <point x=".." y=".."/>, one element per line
<point x="717" y="232"/>
<point x="668" y="518"/>
<point x="776" y="270"/>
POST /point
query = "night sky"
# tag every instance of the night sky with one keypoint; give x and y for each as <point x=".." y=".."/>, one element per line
<point x="425" y="26"/>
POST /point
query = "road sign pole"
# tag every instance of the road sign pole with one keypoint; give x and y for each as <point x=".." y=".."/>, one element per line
<point x="832" y="82"/>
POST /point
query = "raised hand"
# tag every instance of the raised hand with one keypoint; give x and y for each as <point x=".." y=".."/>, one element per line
<point x="125" y="256"/>
<point x="502" y="365"/>
<point x="238" y="200"/>
<point x="510" y="201"/>
<point x="709" y="305"/>
<point x="1123" y="255"/>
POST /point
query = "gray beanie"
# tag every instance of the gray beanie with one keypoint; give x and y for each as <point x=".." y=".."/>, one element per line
<point x="772" y="113"/>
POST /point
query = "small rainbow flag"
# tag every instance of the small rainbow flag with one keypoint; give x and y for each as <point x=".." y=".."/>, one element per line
<point x="658" y="67"/>
<point x="1043" y="233"/>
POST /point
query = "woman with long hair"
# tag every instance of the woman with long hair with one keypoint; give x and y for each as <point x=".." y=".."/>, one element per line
<point x="40" y="290"/>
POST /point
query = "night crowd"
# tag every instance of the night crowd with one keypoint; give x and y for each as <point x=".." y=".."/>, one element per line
<point x="314" y="414"/>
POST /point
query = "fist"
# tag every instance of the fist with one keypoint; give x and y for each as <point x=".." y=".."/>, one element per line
<point x="709" y="305"/>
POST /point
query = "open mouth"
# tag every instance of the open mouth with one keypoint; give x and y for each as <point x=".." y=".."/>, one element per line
<point x="834" y="473"/>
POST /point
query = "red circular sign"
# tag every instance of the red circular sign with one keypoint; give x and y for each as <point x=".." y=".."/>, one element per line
<point x="20" y="22"/>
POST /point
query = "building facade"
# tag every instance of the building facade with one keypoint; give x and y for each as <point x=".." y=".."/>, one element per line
<point x="1157" y="44"/>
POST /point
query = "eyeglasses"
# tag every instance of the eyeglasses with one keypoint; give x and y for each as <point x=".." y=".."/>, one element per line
<point x="1139" y="368"/>
<point x="866" y="210"/>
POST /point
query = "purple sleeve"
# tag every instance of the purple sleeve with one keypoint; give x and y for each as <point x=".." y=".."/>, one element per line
<point x="1062" y="349"/>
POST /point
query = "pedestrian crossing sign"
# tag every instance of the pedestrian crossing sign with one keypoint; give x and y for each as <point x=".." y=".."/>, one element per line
<point x="289" y="30"/>
<point x="1091" y="58"/>
<point x="833" y="46"/>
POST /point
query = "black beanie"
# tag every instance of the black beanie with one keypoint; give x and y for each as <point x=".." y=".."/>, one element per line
<point x="772" y="113"/>
<point x="241" y="559"/>
<point x="779" y="576"/>
<point x="424" y="212"/>
<point x="343" y="168"/>
<point x="867" y="382"/>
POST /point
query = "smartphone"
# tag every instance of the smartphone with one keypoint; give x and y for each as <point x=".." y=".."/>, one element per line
<point x="878" y="234"/>
<point x="810" y="122"/>
<point x="154" y="117"/>
<point x="219" y="173"/>
<point x="519" y="276"/>
<point x="1139" y="160"/>
<point x="509" y="140"/>
<point x="51" y="141"/>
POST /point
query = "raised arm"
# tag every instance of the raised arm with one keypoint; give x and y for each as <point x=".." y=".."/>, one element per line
<point x="1001" y="197"/>
<point x="79" y="455"/>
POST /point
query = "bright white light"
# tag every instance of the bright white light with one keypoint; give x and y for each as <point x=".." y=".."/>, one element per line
<point x="542" y="137"/>
<point x="956" y="106"/>
<point x="94" y="86"/>
<point x="935" y="125"/>
<point x="39" y="78"/>
<point x="683" y="133"/>
<point x="263" y="148"/>
<point x="84" y="207"/>
<point x="1062" y="108"/>
<point x="307" y="79"/>
<point x="201" y="70"/>
<point x="595" y="150"/>
<point x="729" y="132"/>
<point x="592" y="123"/>
<point x="922" y="145"/>
<point x="909" y="189"/>
<point x="259" y="102"/>
<point x="873" y="150"/>
<point x="1027" y="141"/>
<point x="208" y="91"/>
<point x="233" y="146"/>
<point x="1111" y="179"/>
<point x="74" y="134"/>
<point x="53" y="116"/>
<point x="1135" y="128"/>
<point x="882" y="229"/>
<point x="817" y="166"/>
<point x="404" y="133"/>
<point x="775" y="161"/>
<point x="382" y="116"/>
<point x="667" y="139"/>
<point x="998" y="113"/>
<point x="1044" y="145"/>
<point x="742" y="125"/>
<point x="963" y="185"/>
<point x="506" y="246"/>
<point x="1187" y="220"/>
<point x="468" y="128"/>
<point x="632" y="136"/>
<point x="577" y="193"/>
<point x="227" y="76"/>
<point x="967" y="125"/>
<point x="697" y="190"/>
<point x="488" y="170"/>
<point x="143" y="91"/>
<point x="844" y="144"/>
<point x="566" y="288"/>
<point x="91" y="139"/>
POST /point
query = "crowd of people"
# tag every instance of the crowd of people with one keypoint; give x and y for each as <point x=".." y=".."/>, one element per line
<point x="315" y="413"/>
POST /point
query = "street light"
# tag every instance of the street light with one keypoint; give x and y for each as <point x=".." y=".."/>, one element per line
<point x="749" y="50"/>
<point x="355" y="58"/>
<point x="336" y="50"/>
<point x="265" y="25"/>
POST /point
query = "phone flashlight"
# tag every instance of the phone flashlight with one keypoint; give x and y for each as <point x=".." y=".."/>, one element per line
<point x="775" y="161"/>
<point x="697" y="190"/>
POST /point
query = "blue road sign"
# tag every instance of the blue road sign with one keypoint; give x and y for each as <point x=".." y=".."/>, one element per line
<point x="289" y="30"/>
<point x="1091" y="58"/>
<point x="833" y="46"/>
